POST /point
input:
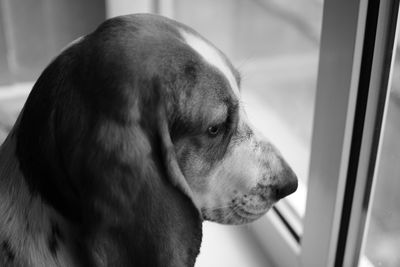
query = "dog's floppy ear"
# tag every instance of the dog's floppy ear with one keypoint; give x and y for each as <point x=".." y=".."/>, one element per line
<point x="60" y="149"/>
<point x="94" y="143"/>
<point x="169" y="157"/>
<point x="174" y="172"/>
<point x="39" y="146"/>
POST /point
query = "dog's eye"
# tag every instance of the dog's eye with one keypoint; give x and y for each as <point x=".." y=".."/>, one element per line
<point x="213" y="130"/>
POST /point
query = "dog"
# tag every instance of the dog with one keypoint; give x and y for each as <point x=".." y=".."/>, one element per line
<point x="129" y="139"/>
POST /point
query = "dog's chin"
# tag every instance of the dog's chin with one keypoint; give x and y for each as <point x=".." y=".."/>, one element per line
<point x="235" y="215"/>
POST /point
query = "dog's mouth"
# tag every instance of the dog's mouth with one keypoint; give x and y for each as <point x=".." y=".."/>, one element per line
<point x="234" y="215"/>
<point x="241" y="209"/>
<point x="244" y="208"/>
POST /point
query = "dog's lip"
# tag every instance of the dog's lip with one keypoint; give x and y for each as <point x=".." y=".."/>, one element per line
<point x="254" y="212"/>
<point x="251" y="215"/>
<point x="237" y="213"/>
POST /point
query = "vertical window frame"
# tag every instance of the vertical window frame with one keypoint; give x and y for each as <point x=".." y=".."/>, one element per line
<point x="342" y="40"/>
<point x="382" y="61"/>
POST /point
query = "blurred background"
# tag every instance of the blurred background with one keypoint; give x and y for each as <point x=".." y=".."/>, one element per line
<point x="275" y="46"/>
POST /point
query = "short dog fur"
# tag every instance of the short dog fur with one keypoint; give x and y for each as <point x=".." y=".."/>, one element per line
<point x="130" y="138"/>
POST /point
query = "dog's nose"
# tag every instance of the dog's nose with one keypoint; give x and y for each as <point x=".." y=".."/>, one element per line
<point x="287" y="183"/>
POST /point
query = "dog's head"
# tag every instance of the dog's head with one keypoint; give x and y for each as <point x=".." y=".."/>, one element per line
<point x="141" y="93"/>
<point x="234" y="173"/>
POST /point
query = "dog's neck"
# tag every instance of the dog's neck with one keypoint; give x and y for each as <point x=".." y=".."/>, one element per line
<point x="32" y="233"/>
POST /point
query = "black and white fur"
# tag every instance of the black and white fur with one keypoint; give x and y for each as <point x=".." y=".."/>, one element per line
<point x="130" y="138"/>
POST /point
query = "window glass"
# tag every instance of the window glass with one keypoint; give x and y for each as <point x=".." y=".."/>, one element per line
<point x="382" y="242"/>
<point x="275" y="46"/>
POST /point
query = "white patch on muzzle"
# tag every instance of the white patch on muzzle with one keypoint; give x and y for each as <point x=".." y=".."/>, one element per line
<point x="241" y="187"/>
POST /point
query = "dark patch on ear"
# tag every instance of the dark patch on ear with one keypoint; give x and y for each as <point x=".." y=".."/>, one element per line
<point x="55" y="237"/>
<point x="7" y="255"/>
